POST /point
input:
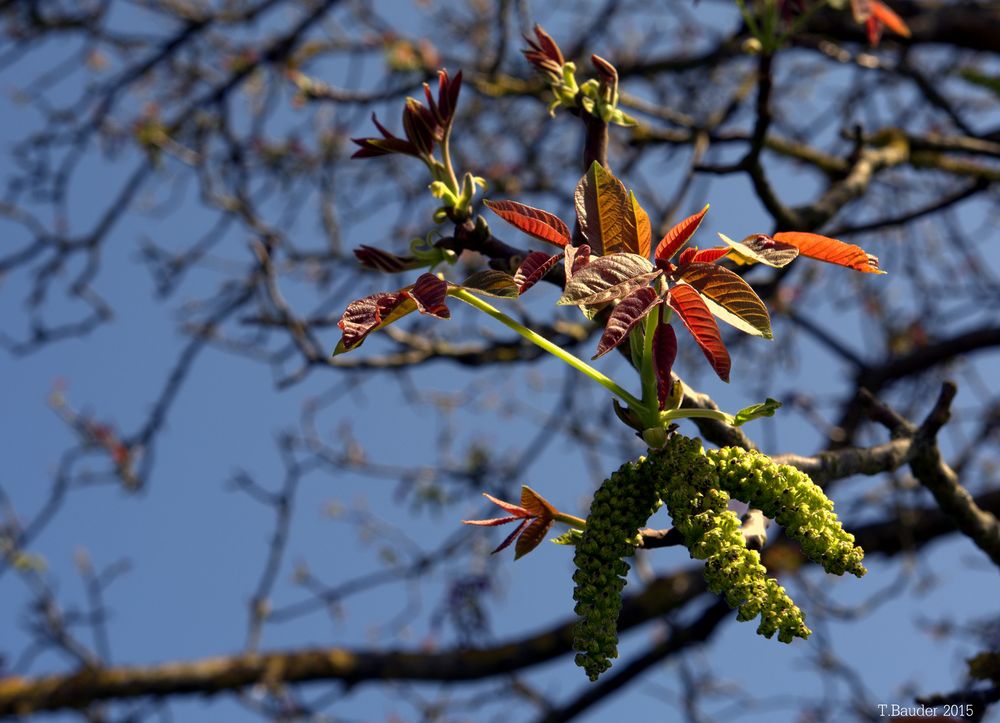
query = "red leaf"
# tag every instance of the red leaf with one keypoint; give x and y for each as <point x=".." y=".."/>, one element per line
<point x="511" y="537"/>
<point x="576" y="258"/>
<point x="679" y="235"/>
<point x="729" y="297"/>
<point x="830" y="250"/>
<point x="363" y="316"/>
<point x="533" y="269"/>
<point x="664" y="354"/>
<point x="608" y="278"/>
<point x="516" y="510"/>
<point x="429" y="292"/>
<point x="496" y="521"/>
<point x="709" y="256"/>
<point x="699" y="321"/>
<point x="535" y="222"/>
<point x="632" y="309"/>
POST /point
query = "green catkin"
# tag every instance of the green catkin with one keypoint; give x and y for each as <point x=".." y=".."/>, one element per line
<point x="794" y="501"/>
<point x="620" y="507"/>
<point x="696" y="487"/>
<point x="687" y="483"/>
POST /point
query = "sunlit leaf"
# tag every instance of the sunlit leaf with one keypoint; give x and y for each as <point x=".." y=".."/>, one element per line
<point x="606" y="214"/>
<point x="535" y="503"/>
<point x="532" y="536"/>
<point x="535" y="222"/>
<point x="533" y="269"/>
<point x="766" y="408"/>
<point x="693" y="311"/>
<point x="608" y="278"/>
<point x="494" y="522"/>
<point x="643" y="228"/>
<point x="632" y="310"/>
<point x="429" y="292"/>
<point x="664" y="354"/>
<point x="492" y="282"/>
<point x="679" y="235"/>
<point x="729" y="297"/>
<point x="761" y="248"/>
<point x="830" y="250"/>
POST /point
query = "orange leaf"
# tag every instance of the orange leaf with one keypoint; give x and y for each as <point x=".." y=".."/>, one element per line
<point x="885" y="15"/>
<point x="830" y="250"/>
<point x="699" y="321"/>
<point x="535" y="222"/>
<point x="679" y="235"/>
<point x="535" y="503"/>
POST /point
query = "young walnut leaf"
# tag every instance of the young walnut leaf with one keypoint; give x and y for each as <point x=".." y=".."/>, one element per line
<point x="576" y="257"/>
<point x="535" y="222"/>
<point x="532" y="536"/>
<point x="761" y="248"/>
<point x="363" y="316"/>
<point x="374" y="258"/>
<point x="492" y="282"/>
<point x="664" y="354"/>
<point x="643" y="228"/>
<point x="679" y="235"/>
<point x="830" y="250"/>
<point x="533" y="269"/>
<point x="699" y="321"/>
<point x="608" y="219"/>
<point x="429" y="292"/>
<point x="632" y="309"/>
<point x="608" y="278"/>
<point x="729" y="297"/>
<point x="705" y="256"/>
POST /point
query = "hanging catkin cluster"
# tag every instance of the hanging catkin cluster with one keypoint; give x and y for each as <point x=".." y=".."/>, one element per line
<point x="696" y="487"/>
<point x="620" y="507"/>
<point x="794" y="501"/>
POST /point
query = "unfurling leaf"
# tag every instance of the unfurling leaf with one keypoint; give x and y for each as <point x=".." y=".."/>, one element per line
<point x="533" y="269"/>
<point x="608" y="219"/>
<point x="569" y="537"/>
<point x="761" y="248"/>
<point x="492" y="282"/>
<point x="664" y="354"/>
<point x="535" y="222"/>
<point x="766" y="408"/>
<point x="369" y="314"/>
<point x="429" y="292"/>
<point x="632" y="309"/>
<point x="608" y="278"/>
<point x="699" y="321"/>
<point x="729" y="297"/>
<point x="576" y="257"/>
<point x="830" y="250"/>
<point x="679" y="235"/>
